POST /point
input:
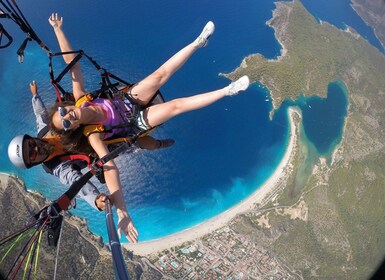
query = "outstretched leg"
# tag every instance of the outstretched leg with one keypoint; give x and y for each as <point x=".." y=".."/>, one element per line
<point x="160" y="113"/>
<point x="143" y="91"/>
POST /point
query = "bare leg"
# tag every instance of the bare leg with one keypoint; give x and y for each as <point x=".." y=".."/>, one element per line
<point x="145" y="89"/>
<point x="160" y="113"/>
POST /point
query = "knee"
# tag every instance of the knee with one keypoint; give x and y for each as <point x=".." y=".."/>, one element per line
<point x="160" y="75"/>
<point x="176" y="106"/>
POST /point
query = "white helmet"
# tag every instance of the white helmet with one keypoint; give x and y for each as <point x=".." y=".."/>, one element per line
<point x="15" y="151"/>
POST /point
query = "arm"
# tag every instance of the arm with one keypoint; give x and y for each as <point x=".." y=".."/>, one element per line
<point x="111" y="175"/>
<point x="76" y="73"/>
<point x="39" y="109"/>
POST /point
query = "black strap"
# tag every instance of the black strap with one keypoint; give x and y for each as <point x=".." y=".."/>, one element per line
<point x="15" y="14"/>
<point x="43" y="132"/>
<point x="53" y="232"/>
<point x="20" y="51"/>
<point x="69" y="66"/>
<point x="130" y="115"/>
<point x="6" y="35"/>
<point x="64" y="201"/>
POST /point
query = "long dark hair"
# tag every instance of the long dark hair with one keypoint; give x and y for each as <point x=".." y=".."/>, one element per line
<point x="72" y="137"/>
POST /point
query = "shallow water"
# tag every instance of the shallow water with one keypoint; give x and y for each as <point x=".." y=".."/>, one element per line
<point x="222" y="153"/>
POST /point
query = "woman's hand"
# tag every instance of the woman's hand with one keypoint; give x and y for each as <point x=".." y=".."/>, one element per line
<point x="126" y="225"/>
<point x="55" y="20"/>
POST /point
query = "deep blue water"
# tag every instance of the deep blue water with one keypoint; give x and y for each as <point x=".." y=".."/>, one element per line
<point x="222" y="153"/>
<point x="340" y="14"/>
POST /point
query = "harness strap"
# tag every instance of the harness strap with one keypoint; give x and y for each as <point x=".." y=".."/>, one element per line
<point x="15" y="14"/>
<point x="20" y="51"/>
<point x="109" y="97"/>
<point x="130" y="115"/>
<point x="69" y="66"/>
<point x="65" y="200"/>
<point x="93" y="128"/>
<point x="4" y="32"/>
<point x="55" y="82"/>
<point x="99" y="128"/>
<point x="42" y="132"/>
<point x="84" y="98"/>
<point x="77" y="157"/>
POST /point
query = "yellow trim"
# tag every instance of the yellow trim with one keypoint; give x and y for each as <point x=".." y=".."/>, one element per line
<point x="98" y="128"/>
<point x="84" y="98"/>
<point x="118" y="140"/>
<point x="92" y="128"/>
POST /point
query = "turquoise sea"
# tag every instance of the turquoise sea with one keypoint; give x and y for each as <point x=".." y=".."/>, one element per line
<point x="222" y="153"/>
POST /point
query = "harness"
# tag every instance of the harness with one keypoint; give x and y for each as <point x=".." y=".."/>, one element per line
<point x="60" y="154"/>
<point x="124" y="107"/>
<point x="112" y="88"/>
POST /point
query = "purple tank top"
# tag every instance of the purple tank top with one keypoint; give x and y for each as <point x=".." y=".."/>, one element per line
<point x="112" y="117"/>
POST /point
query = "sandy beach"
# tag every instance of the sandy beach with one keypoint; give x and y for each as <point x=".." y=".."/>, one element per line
<point x="264" y="192"/>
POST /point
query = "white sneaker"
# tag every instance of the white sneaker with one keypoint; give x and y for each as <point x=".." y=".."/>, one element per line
<point x="203" y="38"/>
<point x="239" y="85"/>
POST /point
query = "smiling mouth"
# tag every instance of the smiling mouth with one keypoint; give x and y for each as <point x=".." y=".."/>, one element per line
<point x="34" y="153"/>
<point x="73" y="115"/>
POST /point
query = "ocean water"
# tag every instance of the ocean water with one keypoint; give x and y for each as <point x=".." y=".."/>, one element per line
<point x="222" y="153"/>
<point x="341" y="14"/>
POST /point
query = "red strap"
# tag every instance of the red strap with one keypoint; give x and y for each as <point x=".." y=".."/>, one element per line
<point x="57" y="92"/>
<point x="63" y="202"/>
<point x="77" y="157"/>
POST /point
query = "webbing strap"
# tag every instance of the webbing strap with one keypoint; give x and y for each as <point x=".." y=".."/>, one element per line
<point x="77" y="157"/>
<point x="55" y="81"/>
<point x="65" y="200"/>
<point x="116" y="152"/>
<point x="20" y="51"/>
<point x="69" y="66"/>
<point x="15" y="14"/>
<point x="115" y="107"/>
<point x="6" y="35"/>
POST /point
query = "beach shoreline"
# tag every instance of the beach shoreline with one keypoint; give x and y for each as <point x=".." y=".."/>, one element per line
<point x="262" y="195"/>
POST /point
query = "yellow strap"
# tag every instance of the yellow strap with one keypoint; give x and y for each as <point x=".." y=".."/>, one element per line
<point x="98" y="128"/>
<point x="84" y="98"/>
<point x="118" y="140"/>
<point x="92" y="128"/>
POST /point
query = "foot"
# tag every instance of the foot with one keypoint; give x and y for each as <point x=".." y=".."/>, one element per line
<point x="239" y="85"/>
<point x="165" y="143"/>
<point x="203" y="38"/>
<point x="33" y="88"/>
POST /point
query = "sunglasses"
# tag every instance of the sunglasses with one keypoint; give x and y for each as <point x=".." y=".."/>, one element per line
<point x="65" y="123"/>
<point x="32" y="151"/>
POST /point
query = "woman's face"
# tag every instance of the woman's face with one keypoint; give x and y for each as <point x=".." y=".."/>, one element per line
<point x="67" y="118"/>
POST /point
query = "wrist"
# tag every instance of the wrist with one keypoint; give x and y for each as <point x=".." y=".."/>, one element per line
<point x="122" y="213"/>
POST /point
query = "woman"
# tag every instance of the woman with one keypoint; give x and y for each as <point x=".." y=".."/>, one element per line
<point x="70" y="118"/>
